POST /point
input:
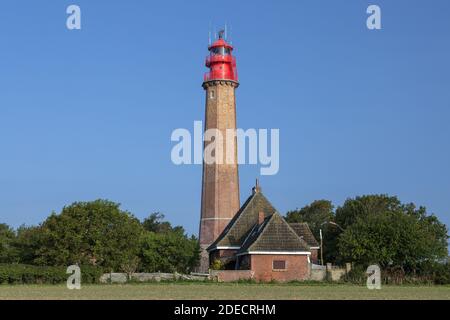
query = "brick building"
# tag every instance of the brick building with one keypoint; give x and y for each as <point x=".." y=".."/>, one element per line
<point x="259" y="239"/>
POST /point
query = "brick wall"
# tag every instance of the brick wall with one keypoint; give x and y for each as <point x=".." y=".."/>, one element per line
<point x="297" y="267"/>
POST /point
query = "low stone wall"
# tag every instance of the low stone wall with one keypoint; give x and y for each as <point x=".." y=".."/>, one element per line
<point x="328" y="272"/>
<point x="318" y="272"/>
<point x="143" y="277"/>
<point x="231" y="275"/>
<point x="114" y="278"/>
<point x="336" y="273"/>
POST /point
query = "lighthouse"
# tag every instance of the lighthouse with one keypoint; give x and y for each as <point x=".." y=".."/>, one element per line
<point x="220" y="180"/>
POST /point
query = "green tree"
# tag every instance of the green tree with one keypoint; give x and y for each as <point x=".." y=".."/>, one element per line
<point x="155" y="223"/>
<point x="27" y="243"/>
<point x="365" y="205"/>
<point x="97" y="233"/>
<point x="166" y="248"/>
<point x="380" y="229"/>
<point x="169" y="252"/>
<point x="7" y="250"/>
<point x="348" y="213"/>
<point x="315" y="214"/>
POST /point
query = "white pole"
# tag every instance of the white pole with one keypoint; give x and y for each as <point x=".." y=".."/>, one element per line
<point x="321" y="247"/>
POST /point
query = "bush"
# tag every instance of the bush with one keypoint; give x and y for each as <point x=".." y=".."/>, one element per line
<point x="217" y="265"/>
<point x="438" y="272"/>
<point x="430" y="273"/>
<point x="27" y="274"/>
<point x="442" y="274"/>
<point x="357" y="275"/>
<point x="90" y="274"/>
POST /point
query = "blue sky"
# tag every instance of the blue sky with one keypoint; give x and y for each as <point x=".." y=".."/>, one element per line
<point x="88" y="114"/>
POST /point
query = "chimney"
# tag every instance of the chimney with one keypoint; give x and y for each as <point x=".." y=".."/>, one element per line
<point x="261" y="217"/>
<point x="256" y="188"/>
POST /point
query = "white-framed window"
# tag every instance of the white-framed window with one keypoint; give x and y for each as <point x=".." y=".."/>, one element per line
<point x="212" y="94"/>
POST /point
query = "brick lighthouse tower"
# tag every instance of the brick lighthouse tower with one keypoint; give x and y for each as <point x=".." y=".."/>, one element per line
<point x="220" y="182"/>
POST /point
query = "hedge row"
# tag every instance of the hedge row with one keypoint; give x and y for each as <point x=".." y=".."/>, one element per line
<point x="28" y="274"/>
<point x="436" y="274"/>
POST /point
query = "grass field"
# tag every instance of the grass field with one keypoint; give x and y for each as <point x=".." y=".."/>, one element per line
<point x="222" y="291"/>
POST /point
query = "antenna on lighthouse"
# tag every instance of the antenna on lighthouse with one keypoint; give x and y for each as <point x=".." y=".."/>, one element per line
<point x="209" y="34"/>
<point x="231" y="40"/>
<point x="226" y="34"/>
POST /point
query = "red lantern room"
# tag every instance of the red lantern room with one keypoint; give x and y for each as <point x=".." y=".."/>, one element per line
<point x="221" y="63"/>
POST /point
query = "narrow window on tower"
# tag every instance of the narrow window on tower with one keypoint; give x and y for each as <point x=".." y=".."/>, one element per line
<point x="212" y="94"/>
